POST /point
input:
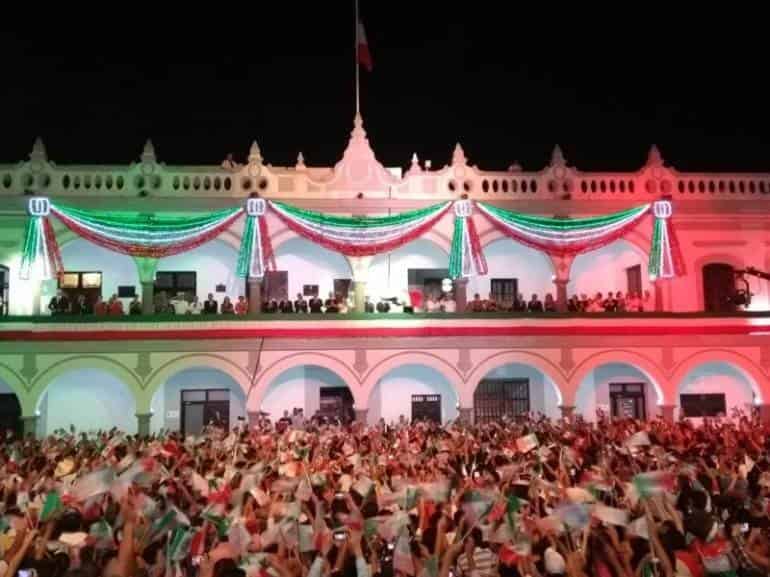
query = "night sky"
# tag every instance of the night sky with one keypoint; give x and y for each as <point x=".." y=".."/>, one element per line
<point x="507" y="86"/>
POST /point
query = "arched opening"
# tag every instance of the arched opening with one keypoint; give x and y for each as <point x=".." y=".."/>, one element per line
<point x="195" y="397"/>
<point x="88" y="399"/>
<point x="718" y="287"/>
<point x="414" y="391"/>
<point x="209" y="268"/>
<point x="619" y="266"/>
<point x="512" y="390"/>
<point x="420" y="265"/>
<point x="316" y="390"/>
<point x="10" y="410"/>
<point x="303" y="267"/>
<point x="513" y="269"/>
<point x="617" y="390"/>
<point x="714" y="389"/>
<point x="92" y="271"/>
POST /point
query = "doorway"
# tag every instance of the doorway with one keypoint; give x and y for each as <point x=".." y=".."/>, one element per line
<point x="10" y="414"/>
<point x="495" y="399"/>
<point x="718" y="287"/>
<point x="627" y="401"/>
<point x="202" y="407"/>
<point x="426" y="408"/>
<point x="336" y="403"/>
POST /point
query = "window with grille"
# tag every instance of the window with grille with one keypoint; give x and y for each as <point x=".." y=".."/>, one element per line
<point x="174" y="283"/>
<point x="503" y="290"/>
<point x="498" y="398"/>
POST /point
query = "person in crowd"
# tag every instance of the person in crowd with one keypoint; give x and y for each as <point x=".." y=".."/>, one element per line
<point x="368" y="305"/>
<point x="195" y="307"/>
<point x="431" y="304"/>
<point x="633" y="303"/>
<point x="227" y="306"/>
<point x="210" y="305"/>
<point x="520" y="304"/>
<point x="285" y="306"/>
<point x="549" y="304"/>
<point x="490" y="305"/>
<point x="573" y="304"/>
<point x="535" y="305"/>
<point x="608" y="304"/>
<point x="59" y="304"/>
<point x="115" y="306"/>
<point x="270" y="306"/>
<point x="242" y="306"/>
<point x="300" y="304"/>
<point x="82" y="306"/>
<point x="476" y="305"/>
<point x="316" y="305"/>
<point x="179" y="304"/>
<point x="135" y="306"/>
<point x="331" y="305"/>
<point x="448" y="303"/>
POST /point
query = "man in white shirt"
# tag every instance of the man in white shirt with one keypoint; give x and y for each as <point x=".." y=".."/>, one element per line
<point x="449" y="303"/>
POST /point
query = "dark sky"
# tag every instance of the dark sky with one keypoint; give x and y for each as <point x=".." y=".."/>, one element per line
<point x="508" y="86"/>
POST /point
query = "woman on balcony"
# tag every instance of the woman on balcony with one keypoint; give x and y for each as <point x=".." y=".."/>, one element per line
<point x="242" y="306"/>
<point x="227" y="307"/>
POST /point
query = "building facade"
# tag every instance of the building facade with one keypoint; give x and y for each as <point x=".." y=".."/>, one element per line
<point x="692" y="351"/>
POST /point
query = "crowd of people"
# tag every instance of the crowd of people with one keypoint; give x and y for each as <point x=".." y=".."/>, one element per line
<point x="519" y="498"/>
<point x="612" y="302"/>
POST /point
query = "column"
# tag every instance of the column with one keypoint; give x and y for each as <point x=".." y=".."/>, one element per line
<point x="29" y="425"/>
<point x="461" y="294"/>
<point x="466" y="415"/>
<point x="667" y="413"/>
<point x="148" y="298"/>
<point x="764" y="413"/>
<point x="567" y="412"/>
<point x="658" y="295"/>
<point x="254" y="286"/>
<point x="361" y="415"/>
<point x="561" y="294"/>
<point x="146" y="267"/>
<point x="143" y="424"/>
<point x="359" y="266"/>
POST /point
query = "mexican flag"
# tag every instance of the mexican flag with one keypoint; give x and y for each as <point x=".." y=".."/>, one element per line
<point x="51" y="506"/>
<point x="646" y="485"/>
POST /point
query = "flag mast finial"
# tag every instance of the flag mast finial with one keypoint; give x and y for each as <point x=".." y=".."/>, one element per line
<point x="355" y="59"/>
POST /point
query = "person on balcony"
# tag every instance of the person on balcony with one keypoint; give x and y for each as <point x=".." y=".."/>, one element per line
<point x="609" y="305"/>
<point x="242" y="306"/>
<point x="620" y="302"/>
<point x="316" y="305"/>
<point x="550" y="303"/>
<point x="285" y="306"/>
<point x="633" y="303"/>
<point x="270" y="307"/>
<point x="431" y="304"/>
<point x="450" y="306"/>
<point x="100" y="307"/>
<point x="115" y="306"/>
<point x="60" y="304"/>
<point x="490" y="305"/>
<point x="135" y="307"/>
<point x="179" y="304"/>
<point x="476" y="305"/>
<point x="227" y="307"/>
<point x="519" y="304"/>
<point x="210" y="305"/>
<point x="331" y="305"/>
<point x="300" y="304"/>
<point x="647" y="304"/>
<point x="82" y="306"/>
<point x="329" y="301"/>
<point x="535" y="305"/>
<point x="368" y="305"/>
<point x="196" y="306"/>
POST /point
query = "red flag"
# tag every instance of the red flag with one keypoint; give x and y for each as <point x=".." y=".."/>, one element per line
<point x="364" y="56"/>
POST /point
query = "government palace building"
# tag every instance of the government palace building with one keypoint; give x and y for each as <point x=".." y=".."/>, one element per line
<point x="146" y="296"/>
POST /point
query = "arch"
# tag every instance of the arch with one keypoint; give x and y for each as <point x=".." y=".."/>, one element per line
<point x="745" y="365"/>
<point x="165" y="405"/>
<point x="88" y="398"/>
<point x="192" y="361"/>
<point x="733" y="260"/>
<point x="15" y="382"/>
<point x="323" y="360"/>
<point x="431" y="360"/>
<point x="507" y="258"/>
<point x="646" y="366"/>
<point x="540" y="362"/>
<point x="92" y="362"/>
<point x="391" y="395"/>
<point x="611" y="261"/>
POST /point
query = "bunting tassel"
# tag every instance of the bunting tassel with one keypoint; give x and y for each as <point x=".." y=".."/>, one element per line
<point x="466" y="258"/>
<point x="256" y="250"/>
<point x="665" y="253"/>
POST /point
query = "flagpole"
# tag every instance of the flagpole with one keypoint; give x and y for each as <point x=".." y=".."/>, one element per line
<point x="358" y="66"/>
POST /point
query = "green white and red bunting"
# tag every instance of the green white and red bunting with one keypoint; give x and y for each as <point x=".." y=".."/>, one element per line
<point x="561" y="236"/>
<point x="360" y="236"/>
<point x="466" y="259"/>
<point x="158" y="235"/>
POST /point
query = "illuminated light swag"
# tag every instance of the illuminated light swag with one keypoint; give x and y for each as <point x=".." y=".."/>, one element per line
<point x="158" y="236"/>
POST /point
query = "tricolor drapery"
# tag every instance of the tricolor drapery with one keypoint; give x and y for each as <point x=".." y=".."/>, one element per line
<point x="152" y="235"/>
